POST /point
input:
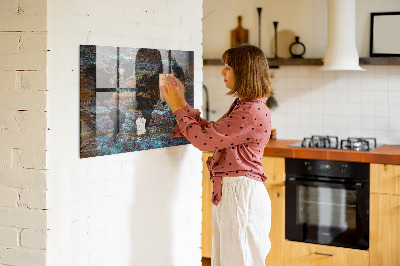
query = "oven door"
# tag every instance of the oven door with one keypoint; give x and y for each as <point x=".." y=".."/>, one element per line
<point x="327" y="213"/>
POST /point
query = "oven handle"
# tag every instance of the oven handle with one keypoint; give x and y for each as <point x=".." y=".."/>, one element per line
<point x="324" y="254"/>
<point x="357" y="185"/>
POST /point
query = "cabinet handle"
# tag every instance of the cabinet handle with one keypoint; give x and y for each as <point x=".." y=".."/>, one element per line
<point x="324" y="254"/>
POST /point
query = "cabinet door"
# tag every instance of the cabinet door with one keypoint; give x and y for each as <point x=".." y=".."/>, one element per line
<point x="385" y="178"/>
<point x="304" y="254"/>
<point x="206" y="226"/>
<point x="277" y="233"/>
<point x="384" y="230"/>
<point x="274" y="168"/>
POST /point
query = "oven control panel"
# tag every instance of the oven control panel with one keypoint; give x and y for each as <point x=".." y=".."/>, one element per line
<point x="325" y="167"/>
<point x="337" y="169"/>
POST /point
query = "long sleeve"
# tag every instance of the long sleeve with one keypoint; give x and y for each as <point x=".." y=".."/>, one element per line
<point x="231" y="130"/>
<point x="193" y="113"/>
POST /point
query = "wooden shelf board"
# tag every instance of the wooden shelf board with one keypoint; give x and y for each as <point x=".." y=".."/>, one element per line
<point x="295" y="61"/>
<point x="380" y="61"/>
<point x="276" y="62"/>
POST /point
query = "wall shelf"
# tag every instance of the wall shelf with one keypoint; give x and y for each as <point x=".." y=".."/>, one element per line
<point x="380" y="61"/>
<point x="274" y="63"/>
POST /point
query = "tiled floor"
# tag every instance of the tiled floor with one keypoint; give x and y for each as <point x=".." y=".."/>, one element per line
<point x="206" y="261"/>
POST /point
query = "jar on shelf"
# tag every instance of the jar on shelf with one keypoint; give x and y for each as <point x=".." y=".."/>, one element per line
<point x="297" y="49"/>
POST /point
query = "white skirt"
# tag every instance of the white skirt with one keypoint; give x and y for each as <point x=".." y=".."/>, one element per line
<point x="241" y="223"/>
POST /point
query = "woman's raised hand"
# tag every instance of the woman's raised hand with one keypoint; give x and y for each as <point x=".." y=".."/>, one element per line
<point x="174" y="93"/>
<point x="181" y="91"/>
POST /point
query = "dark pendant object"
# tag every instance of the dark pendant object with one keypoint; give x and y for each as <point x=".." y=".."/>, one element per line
<point x="276" y="38"/>
<point x="259" y="9"/>
<point x="297" y="49"/>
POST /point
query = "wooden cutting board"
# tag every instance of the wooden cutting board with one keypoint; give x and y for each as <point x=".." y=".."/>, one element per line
<point x="239" y="35"/>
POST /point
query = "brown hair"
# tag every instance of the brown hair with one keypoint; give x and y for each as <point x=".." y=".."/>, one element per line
<point x="250" y="66"/>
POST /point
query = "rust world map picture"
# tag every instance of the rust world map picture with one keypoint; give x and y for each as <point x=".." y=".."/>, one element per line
<point x="121" y="106"/>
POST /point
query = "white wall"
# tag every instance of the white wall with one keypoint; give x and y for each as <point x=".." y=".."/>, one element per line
<point x="140" y="208"/>
<point x="23" y="133"/>
<point x="311" y="102"/>
<point x="306" y="19"/>
<point x="343" y="104"/>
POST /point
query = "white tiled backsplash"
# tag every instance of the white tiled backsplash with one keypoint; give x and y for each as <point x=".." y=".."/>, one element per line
<point x="339" y="103"/>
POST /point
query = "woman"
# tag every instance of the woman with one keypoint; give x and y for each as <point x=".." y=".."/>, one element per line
<point x="242" y="211"/>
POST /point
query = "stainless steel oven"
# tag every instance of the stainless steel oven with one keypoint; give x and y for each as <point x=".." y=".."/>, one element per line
<point x="327" y="202"/>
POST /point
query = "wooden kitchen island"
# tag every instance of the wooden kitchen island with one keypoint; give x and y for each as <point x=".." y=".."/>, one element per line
<point x="384" y="247"/>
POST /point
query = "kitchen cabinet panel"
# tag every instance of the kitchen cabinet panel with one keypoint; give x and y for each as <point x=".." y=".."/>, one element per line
<point x="305" y="254"/>
<point x="277" y="233"/>
<point x="385" y="178"/>
<point x="206" y="225"/>
<point x="384" y="230"/>
<point x="274" y="168"/>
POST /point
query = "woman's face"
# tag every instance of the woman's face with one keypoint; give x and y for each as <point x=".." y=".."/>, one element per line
<point x="229" y="76"/>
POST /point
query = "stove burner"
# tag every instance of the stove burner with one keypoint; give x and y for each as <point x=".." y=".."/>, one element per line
<point x="358" y="144"/>
<point x="332" y="142"/>
<point x="328" y="142"/>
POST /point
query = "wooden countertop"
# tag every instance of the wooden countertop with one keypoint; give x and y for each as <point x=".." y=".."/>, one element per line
<point x="389" y="154"/>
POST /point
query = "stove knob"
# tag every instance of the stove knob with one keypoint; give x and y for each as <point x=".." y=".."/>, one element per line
<point x="343" y="168"/>
<point x="308" y="166"/>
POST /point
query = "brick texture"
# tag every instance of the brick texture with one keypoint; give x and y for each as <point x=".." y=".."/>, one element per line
<point x="33" y="239"/>
<point x="9" y="237"/>
<point x="23" y="218"/>
<point x="144" y="193"/>
<point x="8" y="197"/>
<point x="17" y="256"/>
<point x="23" y="126"/>
<point x="94" y="198"/>
<point x="33" y="199"/>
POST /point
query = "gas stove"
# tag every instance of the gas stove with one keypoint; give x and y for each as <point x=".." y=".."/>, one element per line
<point x="332" y="142"/>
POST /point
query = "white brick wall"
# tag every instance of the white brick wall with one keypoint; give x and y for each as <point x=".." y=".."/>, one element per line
<point x="24" y="256"/>
<point x="9" y="237"/>
<point x="9" y="197"/>
<point x="23" y="132"/>
<point x="33" y="239"/>
<point x="140" y="208"/>
<point x="114" y="210"/>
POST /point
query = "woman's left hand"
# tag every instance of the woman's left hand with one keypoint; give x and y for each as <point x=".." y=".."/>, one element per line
<point x="170" y="90"/>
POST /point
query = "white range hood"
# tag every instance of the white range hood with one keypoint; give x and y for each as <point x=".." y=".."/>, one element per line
<point x="341" y="51"/>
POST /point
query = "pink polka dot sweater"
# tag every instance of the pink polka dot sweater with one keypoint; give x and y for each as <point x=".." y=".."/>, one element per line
<point x="238" y="139"/>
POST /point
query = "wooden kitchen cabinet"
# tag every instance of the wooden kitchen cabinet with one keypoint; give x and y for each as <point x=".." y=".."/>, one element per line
<point x="384" y="236"/>
<point x="305" y="254"/>
<point x="385" y="178"/>
<point x="206" y="225"/>
<point x="274" y="168"/>
<point x="277" y="233"/>
<point x="385" y="215"/>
